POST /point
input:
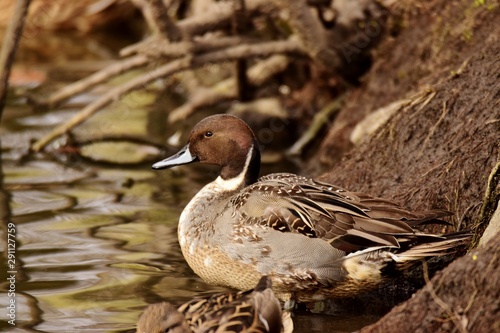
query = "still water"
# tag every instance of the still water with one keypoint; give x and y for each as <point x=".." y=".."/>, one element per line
<point x="95" y="232"/>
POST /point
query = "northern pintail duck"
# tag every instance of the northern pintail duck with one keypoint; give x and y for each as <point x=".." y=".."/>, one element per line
<point x="315" y="240"/>
<point x="256" y="311"/>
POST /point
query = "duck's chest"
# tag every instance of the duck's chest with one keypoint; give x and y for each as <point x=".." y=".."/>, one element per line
<point x="200" y="218"/>
<point x="206" y="227"/>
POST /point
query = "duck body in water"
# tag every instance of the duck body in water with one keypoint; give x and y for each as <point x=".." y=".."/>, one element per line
<point x="314" y="240"/>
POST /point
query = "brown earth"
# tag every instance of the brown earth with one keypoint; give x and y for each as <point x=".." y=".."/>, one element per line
<point x="462" y="298"/>
<point x="436" y="154"/>
<point x="437" y="151"/>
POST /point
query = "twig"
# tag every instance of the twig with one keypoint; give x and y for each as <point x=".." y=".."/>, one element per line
<point x="157" y="17"/>
<point x="9" y="47"/>
<point x="139" y="46"/>
<point x="319" y="120"/>
<point x="428" y="94"/>
<point x="188" y="62"/>
<point x="155" y="46"/>
<point x="433" y="129"/>
<point x="438" y="166"/>
<point x="261" y="72"/>
<point x="453" y="315"/>
<point x="218" y="17"/>
<point x="97" y="78"/>
<point x="157" y="49"/>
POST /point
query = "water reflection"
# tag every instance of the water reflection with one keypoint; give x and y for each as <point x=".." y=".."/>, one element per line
<point x="94" y="252"/>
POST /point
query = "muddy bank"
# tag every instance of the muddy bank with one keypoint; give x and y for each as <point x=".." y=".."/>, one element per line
<point x="436" y="78"/>
<point x="438" y="149"/>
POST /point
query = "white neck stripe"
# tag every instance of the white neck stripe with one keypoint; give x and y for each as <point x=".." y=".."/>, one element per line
<point x="234" y="183"/>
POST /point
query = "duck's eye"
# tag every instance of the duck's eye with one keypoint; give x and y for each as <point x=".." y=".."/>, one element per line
<point x="208" y="134"/>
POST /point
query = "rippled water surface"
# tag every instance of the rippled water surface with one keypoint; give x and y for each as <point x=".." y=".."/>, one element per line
<point x="96" y="242"/>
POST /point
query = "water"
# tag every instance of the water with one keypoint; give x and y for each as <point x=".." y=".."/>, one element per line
<point x="96" y="232"/>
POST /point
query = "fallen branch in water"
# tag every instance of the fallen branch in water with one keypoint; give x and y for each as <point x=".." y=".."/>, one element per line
<point x="90" y="81"/>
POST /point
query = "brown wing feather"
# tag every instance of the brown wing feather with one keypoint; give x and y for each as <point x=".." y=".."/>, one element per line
<point x="349" y="221"/>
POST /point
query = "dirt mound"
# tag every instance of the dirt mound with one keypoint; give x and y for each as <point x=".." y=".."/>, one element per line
<point x="439" y="148"/>
<point x="437" y="79"/>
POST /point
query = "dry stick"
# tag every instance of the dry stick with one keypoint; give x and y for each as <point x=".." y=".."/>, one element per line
<point x="156" y="48"/>
<point x="226" y="90"/>
<point x="141" y="45"/>
<point x="10" y="42"/>
<point x="320" y="119"/>
<point x="161" y="21"/>
<point x="433" y="129"/>
<point x="452" y="314"/>
<point x="9" y="47"/>
<point x="238" y="52"/>
<point x="99" y="77"/>
<point x="151" y="15"/>
<point x="217" y="17"/>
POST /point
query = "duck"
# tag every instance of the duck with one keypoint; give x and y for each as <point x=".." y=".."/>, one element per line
<point x="315" y="240"/>
<point x="256" y="310"/>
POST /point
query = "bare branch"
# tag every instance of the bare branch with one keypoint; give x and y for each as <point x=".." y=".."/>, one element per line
<point x="9" y="47"/>
<point x="139" y="46"/>
<point x="157" y="17"/>
<point x="156" y="48"/>
<point x="218" y="17"/>
<point x="319" y="121"/>
<point x="90" y="81"/>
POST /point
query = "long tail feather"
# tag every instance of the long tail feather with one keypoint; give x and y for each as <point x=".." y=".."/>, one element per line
<point x="432" y="249"/>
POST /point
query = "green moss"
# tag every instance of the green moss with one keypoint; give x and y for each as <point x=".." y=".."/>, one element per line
<point x="478" y="3"/>
<point x="467" y="35"/>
